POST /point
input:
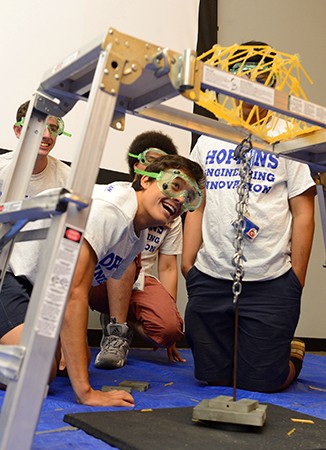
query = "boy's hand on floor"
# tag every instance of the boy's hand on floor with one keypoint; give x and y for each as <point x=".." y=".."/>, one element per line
<point x="173" y="354"/>
<point x="110" y="398"/>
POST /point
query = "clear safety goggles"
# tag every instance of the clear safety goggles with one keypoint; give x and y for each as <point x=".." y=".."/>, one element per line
<point x="148" y="156"/>
<point x="264" y="75"/>
<point x="55" y="129"/>
<point x="174" y="184"/>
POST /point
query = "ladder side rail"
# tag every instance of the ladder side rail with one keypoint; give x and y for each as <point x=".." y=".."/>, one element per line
<point x="250" y="91"/>
<point x="24" y="396"/>
<point x="24" y="156"/>
<point x="199" y="124"/>
<point x="80" y="179"/>
<point x="312" y="144"/>
<point x="21" y="168"/>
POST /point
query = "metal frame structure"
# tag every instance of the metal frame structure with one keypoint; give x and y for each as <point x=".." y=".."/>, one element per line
<point x="116" y="75"/>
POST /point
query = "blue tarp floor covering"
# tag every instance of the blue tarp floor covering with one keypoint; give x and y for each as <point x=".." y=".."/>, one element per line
<point x="171" y="385"/>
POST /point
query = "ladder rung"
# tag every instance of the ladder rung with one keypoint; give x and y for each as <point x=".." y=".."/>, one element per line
<point x="40" y="207"/>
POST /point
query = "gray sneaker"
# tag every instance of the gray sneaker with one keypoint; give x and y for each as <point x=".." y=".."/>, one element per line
<point x="115" y="344"/>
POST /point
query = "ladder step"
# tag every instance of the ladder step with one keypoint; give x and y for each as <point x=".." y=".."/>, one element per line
<point x="41" y="206"/>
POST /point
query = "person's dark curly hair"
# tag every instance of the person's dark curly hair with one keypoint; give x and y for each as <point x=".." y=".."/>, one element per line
<point x="22" y="111"/>
<point x="252" y="59"/>
<point x="149" y="139"/>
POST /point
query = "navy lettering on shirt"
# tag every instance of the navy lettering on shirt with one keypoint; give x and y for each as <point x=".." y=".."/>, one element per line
<point x="158" y="230"/>
<point x="110" y="263"/>
<point x="263" y="165"/>
<point x="153" y="237"/>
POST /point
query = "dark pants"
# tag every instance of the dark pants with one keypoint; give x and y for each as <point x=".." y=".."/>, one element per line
<point x="268" y="316"/>
<point x="14" y="299"/>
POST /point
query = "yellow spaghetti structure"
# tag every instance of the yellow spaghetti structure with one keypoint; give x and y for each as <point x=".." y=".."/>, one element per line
<point x="272" y="68"/>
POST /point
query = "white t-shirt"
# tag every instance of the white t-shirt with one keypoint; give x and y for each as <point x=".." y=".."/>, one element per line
<point x="24" y="254"/>
<point x="110" y="230"/>
<point x="274" y="181"/>
<point x="160" y="240"/>
<point x="54" y="175"/>
<point x="164" y="240"/>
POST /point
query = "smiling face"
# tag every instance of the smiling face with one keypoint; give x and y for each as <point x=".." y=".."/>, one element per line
<point x="49" y="136"/>
<point x="175" y="183"/>
<point x="155" y="208"/>
<point x="169" y="208"/>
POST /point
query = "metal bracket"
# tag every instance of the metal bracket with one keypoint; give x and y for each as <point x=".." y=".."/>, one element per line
<point x="11" y="357"/>
<point x="160" y="63"/>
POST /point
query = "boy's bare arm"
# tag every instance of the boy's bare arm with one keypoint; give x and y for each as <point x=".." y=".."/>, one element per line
<point x="192" y="238"/>
<point x="302" y="209"/>
<point x="74" y="337"/>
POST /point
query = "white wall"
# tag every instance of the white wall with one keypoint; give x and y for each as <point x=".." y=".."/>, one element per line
<point x="37" y="34"/>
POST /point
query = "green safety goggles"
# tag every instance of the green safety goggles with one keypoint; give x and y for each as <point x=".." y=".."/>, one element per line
<point x="263" y="75"/>
<point x="173" y="184"/>
<point x="54" y="129"/>
<point x="148" y="156"/>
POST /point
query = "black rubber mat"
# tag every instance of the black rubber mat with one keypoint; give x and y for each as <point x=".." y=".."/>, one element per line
<point x="173" y="429"/>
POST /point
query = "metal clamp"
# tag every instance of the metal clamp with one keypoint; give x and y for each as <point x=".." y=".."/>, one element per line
<point x="11" y="357"/>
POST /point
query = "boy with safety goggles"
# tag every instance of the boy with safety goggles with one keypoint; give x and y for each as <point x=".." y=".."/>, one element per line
<point x="173" y="183"/>
<point x="147" y="306"/>
<point x="55" y="125"/>
<point x="116" y="233"/>
<point x="47" y="172"/>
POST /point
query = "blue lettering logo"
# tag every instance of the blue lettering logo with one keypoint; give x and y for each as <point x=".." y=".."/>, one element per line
<point x="222" y="171"/>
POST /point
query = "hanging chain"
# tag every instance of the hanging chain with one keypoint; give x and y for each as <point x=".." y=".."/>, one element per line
<point x="241" y="153"/>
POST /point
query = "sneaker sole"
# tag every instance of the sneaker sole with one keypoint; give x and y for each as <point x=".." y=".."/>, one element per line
<point x="109" y="366"/>
<point x="298" y="349"/>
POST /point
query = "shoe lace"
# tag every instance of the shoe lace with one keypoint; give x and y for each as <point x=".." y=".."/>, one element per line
<point x="114" y="344"/>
